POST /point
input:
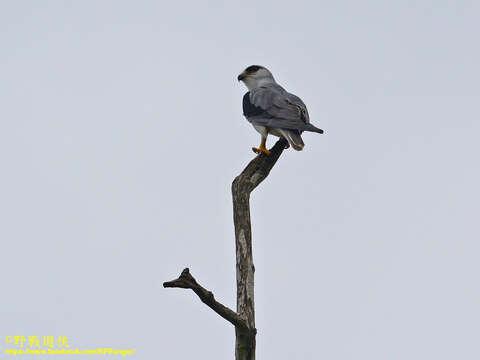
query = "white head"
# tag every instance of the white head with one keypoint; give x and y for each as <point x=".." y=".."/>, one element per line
<point x="255" y="76"/>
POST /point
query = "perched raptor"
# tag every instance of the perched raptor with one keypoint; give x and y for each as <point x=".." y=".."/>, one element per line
<point x="273" y="110"/>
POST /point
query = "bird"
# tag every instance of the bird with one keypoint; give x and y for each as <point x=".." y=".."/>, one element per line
<point x="273" y="110"/>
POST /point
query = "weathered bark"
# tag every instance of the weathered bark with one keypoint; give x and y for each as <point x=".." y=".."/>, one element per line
<point x="187" y="281"/>
<point x="244" y="319"/>
<point x="255" y="172"/>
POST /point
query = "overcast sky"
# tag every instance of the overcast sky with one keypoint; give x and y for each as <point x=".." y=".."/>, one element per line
<point x="121" y="130"/>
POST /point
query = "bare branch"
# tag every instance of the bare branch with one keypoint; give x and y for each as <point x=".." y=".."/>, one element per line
<point x="258" y="169"/>
<point x="187" y="281"/>
<point x="244" y="319"/>
<point x="255" y="172"/>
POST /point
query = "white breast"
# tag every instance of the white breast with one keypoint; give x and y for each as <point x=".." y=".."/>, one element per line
<point x="264" y="131"/>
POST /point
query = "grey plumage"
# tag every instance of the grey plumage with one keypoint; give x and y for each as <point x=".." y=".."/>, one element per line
<point x="273" y="110"/>
<point x="281" y="109"/>
<point x="294" y="139"/>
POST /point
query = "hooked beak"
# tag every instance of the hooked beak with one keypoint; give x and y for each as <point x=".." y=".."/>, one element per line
<point x="241" y="76"/>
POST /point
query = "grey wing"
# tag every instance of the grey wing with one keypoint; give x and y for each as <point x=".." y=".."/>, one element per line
<point x="270" y="105"/>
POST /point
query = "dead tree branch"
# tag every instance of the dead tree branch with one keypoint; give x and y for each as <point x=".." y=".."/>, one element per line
<point x="187" y="281"/>
<point x="244" y="319"/>
<point x="255" y="172"/>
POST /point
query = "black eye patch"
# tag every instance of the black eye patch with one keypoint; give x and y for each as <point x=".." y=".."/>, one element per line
<point x="252" y="69"/>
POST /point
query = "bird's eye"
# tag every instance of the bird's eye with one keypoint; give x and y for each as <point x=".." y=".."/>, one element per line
<point x="252" y="69"/>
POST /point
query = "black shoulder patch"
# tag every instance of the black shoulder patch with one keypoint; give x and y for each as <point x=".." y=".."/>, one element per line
<point x="248" y="108"/>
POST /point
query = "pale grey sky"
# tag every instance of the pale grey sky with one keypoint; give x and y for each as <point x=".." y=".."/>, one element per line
<point x="122" y="129"/>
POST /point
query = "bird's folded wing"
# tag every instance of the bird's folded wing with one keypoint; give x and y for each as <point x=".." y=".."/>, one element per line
<point x="270" y="105"/>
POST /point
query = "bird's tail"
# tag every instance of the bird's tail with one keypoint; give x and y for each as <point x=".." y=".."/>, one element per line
<point x="310" y="127"/>
<point x="294" y="139"/>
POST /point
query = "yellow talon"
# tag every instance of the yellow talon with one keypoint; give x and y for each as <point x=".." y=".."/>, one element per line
<point x="261" y="149"/>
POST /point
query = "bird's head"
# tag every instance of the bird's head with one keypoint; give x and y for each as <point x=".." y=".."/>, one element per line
<point x="255" y="76"/>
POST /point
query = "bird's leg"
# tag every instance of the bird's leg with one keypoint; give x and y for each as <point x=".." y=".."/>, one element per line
<point x="262" y="147"/>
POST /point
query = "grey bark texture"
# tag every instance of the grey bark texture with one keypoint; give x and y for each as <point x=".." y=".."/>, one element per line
<point x="244" y="319"/>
